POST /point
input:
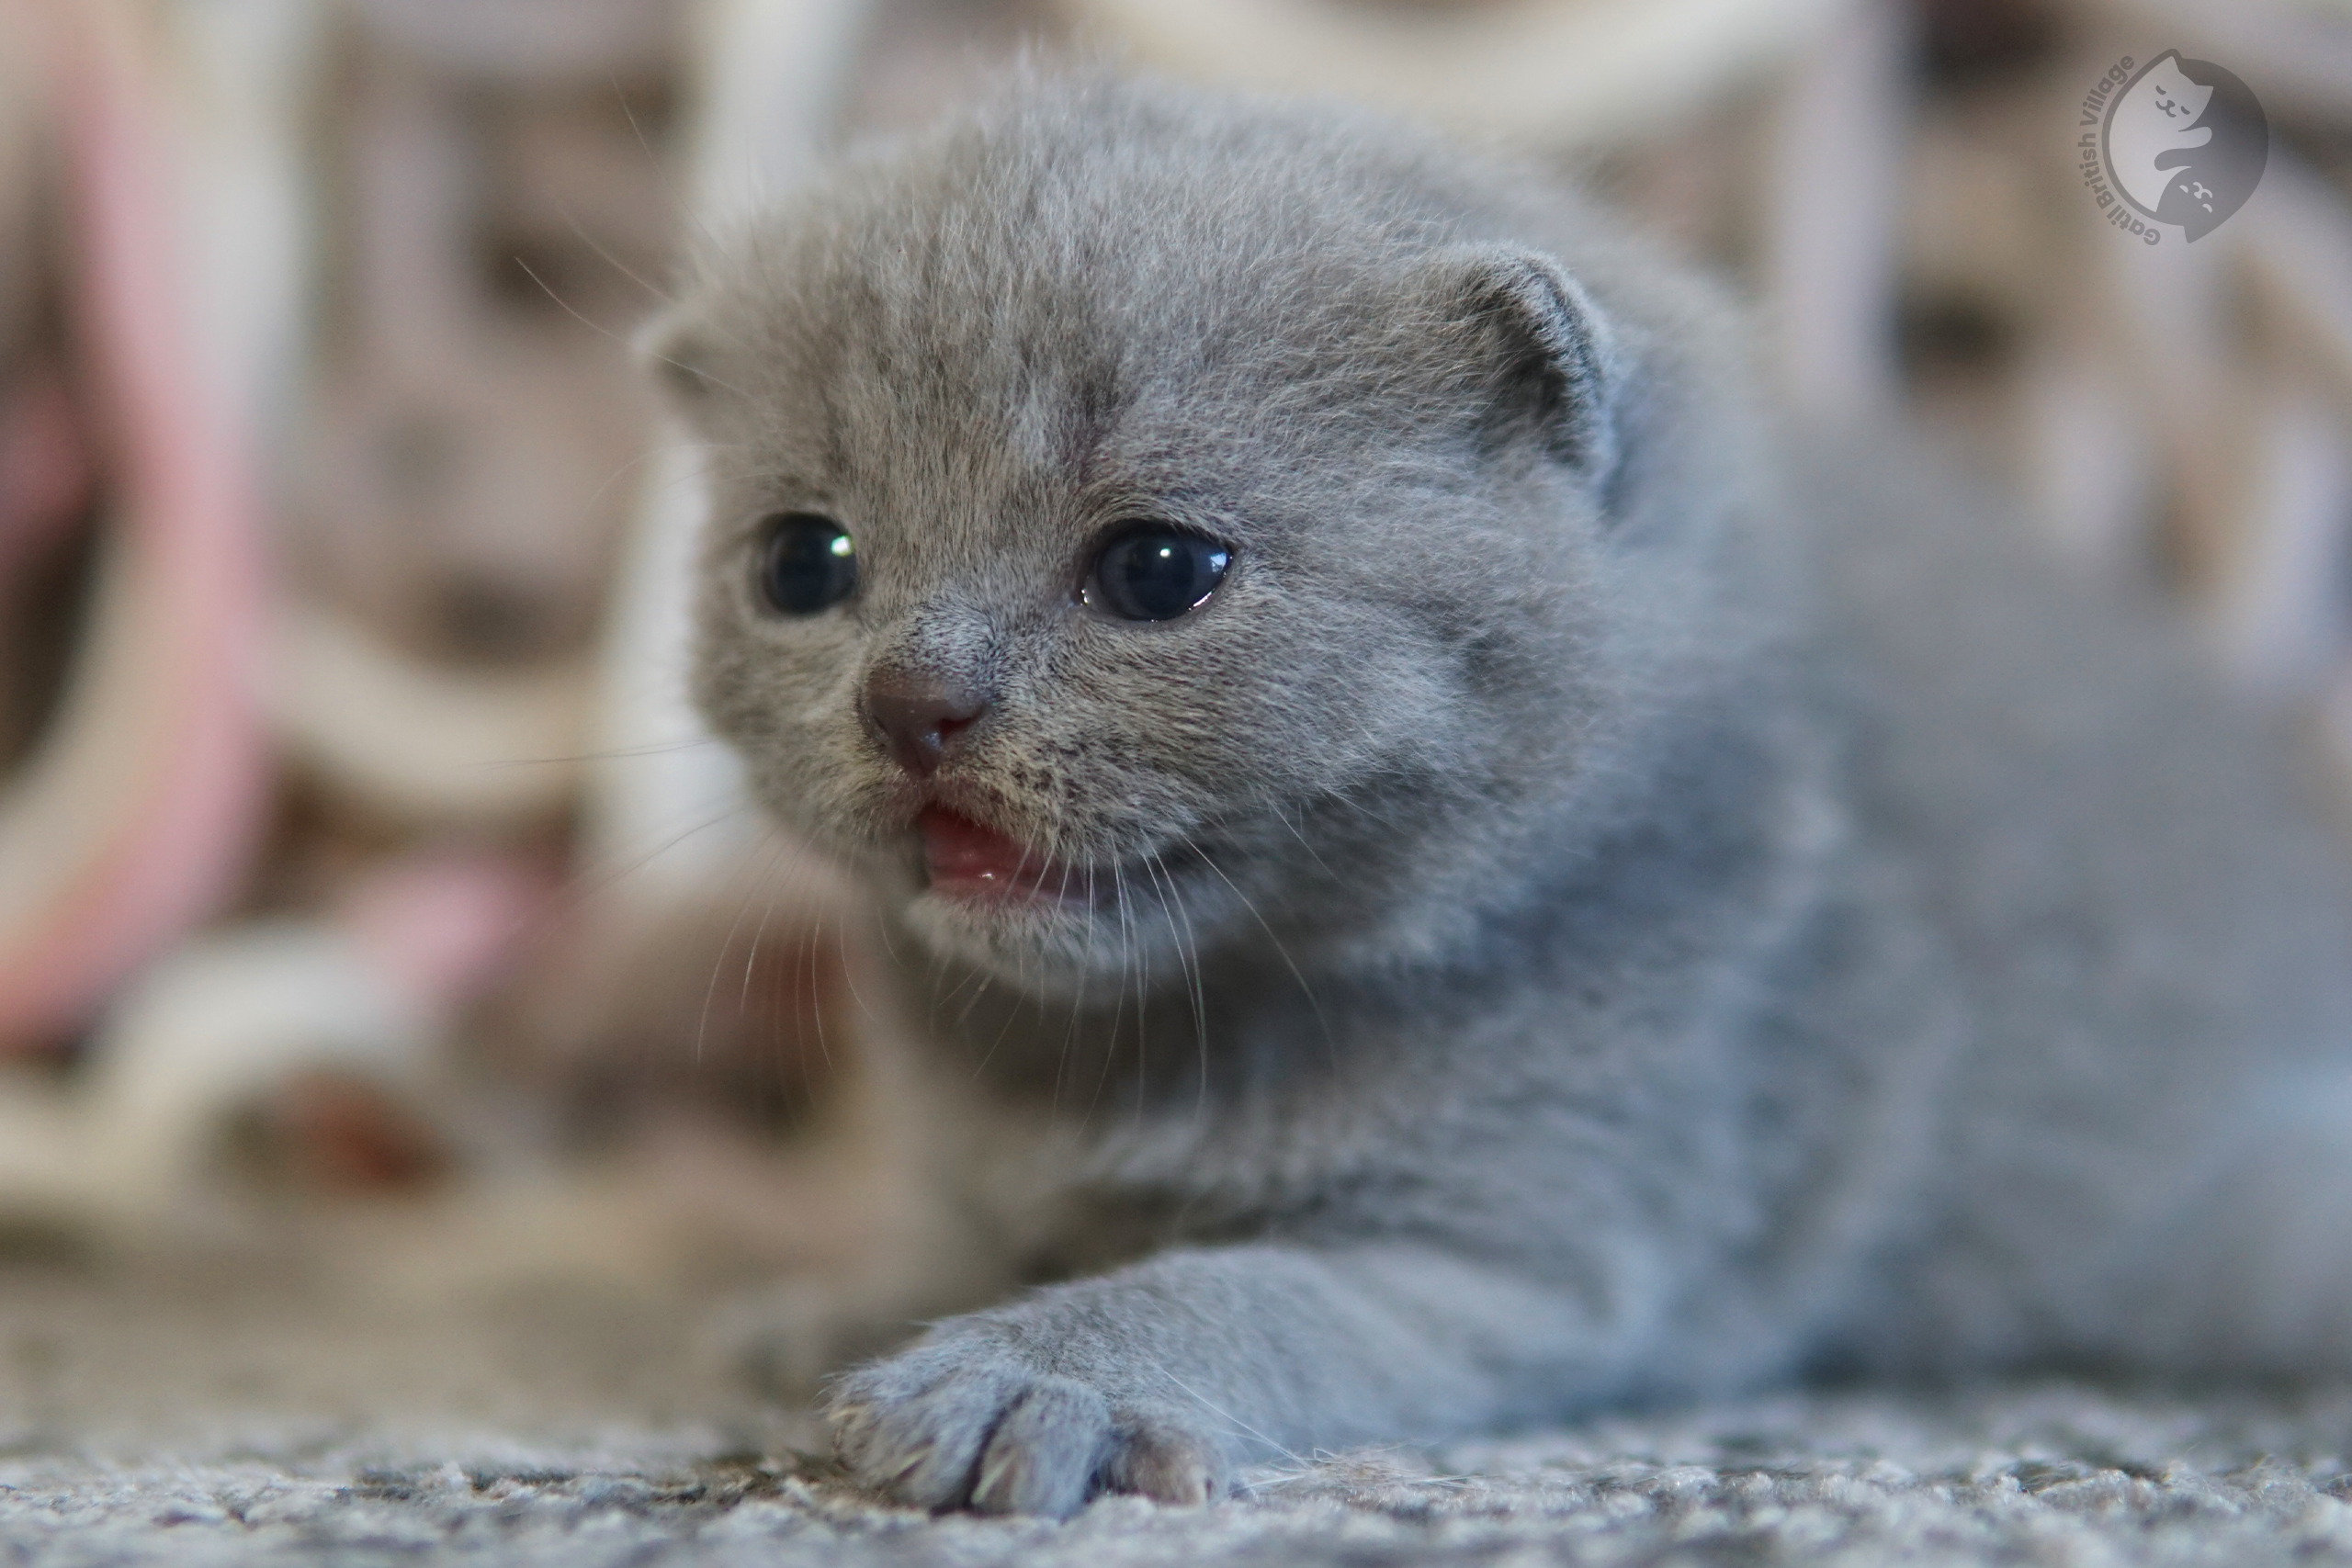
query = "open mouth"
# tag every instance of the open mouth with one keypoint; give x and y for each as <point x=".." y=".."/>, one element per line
<point x="963" y="859"/>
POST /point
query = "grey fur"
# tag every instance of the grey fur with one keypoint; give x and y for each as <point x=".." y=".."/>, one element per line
<point x="1604" y="911"/>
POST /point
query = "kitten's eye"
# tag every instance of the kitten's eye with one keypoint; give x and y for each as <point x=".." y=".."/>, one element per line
<point x="1155" y="573"/>
<point x="809" y="562"/>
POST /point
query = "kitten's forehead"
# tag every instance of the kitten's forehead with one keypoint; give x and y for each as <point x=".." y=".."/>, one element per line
<point x="1025" y="316"/>
<point x="960" y="385"/>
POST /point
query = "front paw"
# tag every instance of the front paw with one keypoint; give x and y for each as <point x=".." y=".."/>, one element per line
<point x="967" y="1422"/>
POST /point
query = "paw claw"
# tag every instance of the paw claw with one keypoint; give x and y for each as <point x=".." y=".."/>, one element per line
<point x="1043" y="1457"/>
<point x="1167" y="1460"/>
<point x="966" y="1421"/>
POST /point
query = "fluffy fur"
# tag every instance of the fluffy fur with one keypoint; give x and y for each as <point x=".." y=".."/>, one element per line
<point x="1588" y="910"/>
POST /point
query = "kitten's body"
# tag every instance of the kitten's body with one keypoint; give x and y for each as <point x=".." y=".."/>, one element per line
<point x="1584" y="923"/>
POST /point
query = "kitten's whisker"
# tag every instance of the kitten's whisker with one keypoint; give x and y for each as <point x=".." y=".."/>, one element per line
<point x="849" y="968"/>
<point x="1085" y="967"/>
<point x="1151" y="869"/>
<point x="1011" y="1017"/>
<point x="1312" y="852"/>
<point x="1314" y="1005"/>
<point x="813" y="953"/>
<point x="1118" y="1012"/>
<point x="566" y="305"/>
<point x="1195" y="992"/>
<point x="979" y="980"/>
<point x="1214" y="1408"/>
<point x="609" y="754"/>
<point x="579" y="887"/>
<point x="547" y="920"/>
<point x="717" y="964"/>
<point x="751" y="959"/>
<point x="581" y="232"/>
<point x="615" y="478"/>
<point x="690" y="211"/>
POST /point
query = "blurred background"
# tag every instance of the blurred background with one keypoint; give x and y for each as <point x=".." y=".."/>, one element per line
<point x="366" y="889"/>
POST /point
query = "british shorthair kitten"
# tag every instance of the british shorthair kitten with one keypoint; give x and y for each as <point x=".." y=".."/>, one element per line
<point x="1448" y="871"/>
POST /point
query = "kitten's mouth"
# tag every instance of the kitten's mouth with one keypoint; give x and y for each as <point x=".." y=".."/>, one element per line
<point x="963" y="859"/>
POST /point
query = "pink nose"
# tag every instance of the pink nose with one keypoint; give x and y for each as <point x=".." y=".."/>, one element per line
<point x="918" y="720"/>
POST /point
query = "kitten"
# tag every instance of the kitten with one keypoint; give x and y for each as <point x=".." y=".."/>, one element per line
<point x="1442" y="882"/>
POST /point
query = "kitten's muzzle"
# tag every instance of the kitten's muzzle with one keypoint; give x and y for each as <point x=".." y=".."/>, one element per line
<point x="919" y="721"/>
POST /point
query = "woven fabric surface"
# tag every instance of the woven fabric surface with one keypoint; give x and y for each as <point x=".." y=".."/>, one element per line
<point x="253" y="1419"/>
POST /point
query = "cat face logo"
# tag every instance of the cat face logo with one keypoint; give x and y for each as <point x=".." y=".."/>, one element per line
<point x="2184" y="142"/>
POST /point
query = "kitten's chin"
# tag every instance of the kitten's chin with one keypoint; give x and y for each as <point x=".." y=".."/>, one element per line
<point x="1048" y="950"/>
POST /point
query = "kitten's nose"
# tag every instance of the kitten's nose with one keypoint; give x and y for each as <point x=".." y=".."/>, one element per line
<point x="917" y="719"/>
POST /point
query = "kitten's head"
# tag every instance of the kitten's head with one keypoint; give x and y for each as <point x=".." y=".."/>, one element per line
<point x="1147" y="527"/>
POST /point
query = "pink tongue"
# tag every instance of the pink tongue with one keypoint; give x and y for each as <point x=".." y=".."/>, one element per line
<point x="964" y="857"/>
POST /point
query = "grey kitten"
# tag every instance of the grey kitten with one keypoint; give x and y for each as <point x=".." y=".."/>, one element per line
<point x="1447" y="874"/>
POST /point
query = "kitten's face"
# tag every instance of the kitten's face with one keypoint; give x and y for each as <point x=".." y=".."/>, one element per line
<point x="1115" y="604"/>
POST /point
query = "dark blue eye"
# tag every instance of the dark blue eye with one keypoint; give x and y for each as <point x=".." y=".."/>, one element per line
<point x="809" y="562"/>
<point x="1155" y="573"/>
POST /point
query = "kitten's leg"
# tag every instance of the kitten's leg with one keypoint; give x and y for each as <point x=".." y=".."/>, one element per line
<point x="1161" y="1378"/>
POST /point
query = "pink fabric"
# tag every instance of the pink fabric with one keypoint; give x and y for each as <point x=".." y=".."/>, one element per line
<point x="44" y="469"/>
<point x="177" y="478"/>
<point x="442" y="925"/>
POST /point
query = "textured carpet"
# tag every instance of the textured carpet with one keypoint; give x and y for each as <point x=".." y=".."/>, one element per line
<point x="260" y="1421"/>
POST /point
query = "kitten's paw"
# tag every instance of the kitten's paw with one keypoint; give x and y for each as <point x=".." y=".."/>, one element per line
<point x="971" y="1424"/>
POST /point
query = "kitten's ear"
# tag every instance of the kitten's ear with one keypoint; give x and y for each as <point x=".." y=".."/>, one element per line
<point x="1542" y="351"/>
<point x="673" y="348"/>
